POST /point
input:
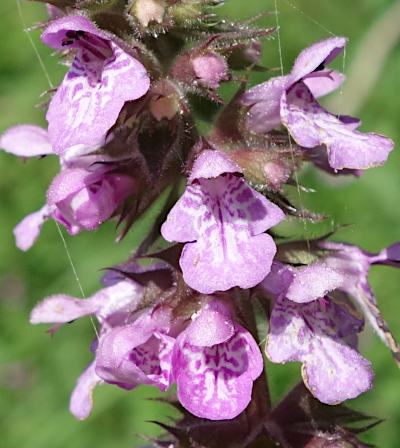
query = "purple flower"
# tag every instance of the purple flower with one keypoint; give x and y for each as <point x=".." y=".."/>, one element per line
<point x="354" y="264"/>
<point x="215" y="362"/>
<point x="347" y="147"/>
<point x="315" y="334"/>
<point x="139" y="353"/>
<point x="101" y="79"/>
<point x="265" y="99"/>
<point x="319" y="332"/>
<point x="112" y="306"/>
<point x="223" y="221"/>
<point x="81" y="199"/>
<point x="290" y="100"/>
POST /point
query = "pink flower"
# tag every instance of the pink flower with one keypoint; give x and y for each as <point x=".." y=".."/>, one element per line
<point x="291" y="100"/>
<point x="112" y="305"/>
<point x="101" y="79"/>
<point x="310" y="327"/>
<point x="138" y="353"/>
<point x="215" y="361"/>
<point x="223" y="221"/>
<point x="81" y="199"/>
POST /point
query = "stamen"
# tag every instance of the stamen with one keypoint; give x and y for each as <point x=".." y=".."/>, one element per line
<point x="320" y="74"/>
<point x="82" y="34"/>
<point x="66" y="42"/>
<point x="98" y="47"/>
<point x="71" y="34"/>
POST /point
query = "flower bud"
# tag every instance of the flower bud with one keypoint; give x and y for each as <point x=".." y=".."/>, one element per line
<point x="147" y="11"/>
<point x="54" y="12"/>
<point x="276" y="173"/>
<point x="253" y="52"/>
<point x="210" y="68"/>
<point x="240" y="58"/>
<point x="183" y="12"/>
<point x="164" y="102"/>
<point x="205" y="68"/>
<point x="261" y="167"/>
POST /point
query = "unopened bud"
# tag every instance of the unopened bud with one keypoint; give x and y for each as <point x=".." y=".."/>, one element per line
<point x="164" y="102"/>
<point x="204" y="68"/>
<point x="210" y="68"/>
<point x="54" y="12"/>
<point x="242" y="57"/>
<point x="252" y="52"/>
<point x="147" y="11"/>
<point x="183" y="12"/>
<point x="276" y="173"/>
<point x="163" y="107"/>
<point x="262" y="167"/>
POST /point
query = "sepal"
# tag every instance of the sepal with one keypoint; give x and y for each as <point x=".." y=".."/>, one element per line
<point x="301" y="421"/>
<point x="57" y="3"/>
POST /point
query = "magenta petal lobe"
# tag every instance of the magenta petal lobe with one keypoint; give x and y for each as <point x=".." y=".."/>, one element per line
<point x="28" y="230"/>
<point x="346" y="374"/>
<point x="26" y="140"/>
<point x="326" y="82"/>
<point x="55" y="33"/>
<point x="312" y="282"/>
<point x="315" y="334"/>
<point x="264" y="99"/>
<point x="320" y="53"/>
<point x="210" y="328"/>
<point x="216" y="382"/>
<point x="81" y="401"/>
<point x="208" y="269"/>
<point x="210" y="164"/>
<point x="62" y="308"/>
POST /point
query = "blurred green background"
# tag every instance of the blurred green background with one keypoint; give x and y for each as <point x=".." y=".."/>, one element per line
<point x="37" y="373"/>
